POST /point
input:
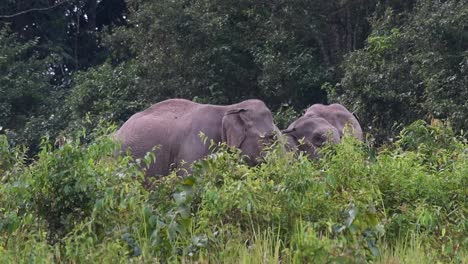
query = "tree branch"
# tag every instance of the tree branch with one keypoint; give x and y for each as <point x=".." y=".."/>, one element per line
<point x="32" y="10"/>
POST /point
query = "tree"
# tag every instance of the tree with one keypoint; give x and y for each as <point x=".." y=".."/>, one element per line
<point x="413" y="66"/>
<point x="23" y="79"/>
<point x="42" y="44"/>
<point x="66" y="28"/>
<point x="225" y="51"/>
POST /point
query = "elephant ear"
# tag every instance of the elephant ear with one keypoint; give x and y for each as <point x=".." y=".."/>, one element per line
<point x="233" y="127"/>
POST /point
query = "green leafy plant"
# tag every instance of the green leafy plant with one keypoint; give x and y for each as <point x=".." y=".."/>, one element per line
<point x="80" y="202"/>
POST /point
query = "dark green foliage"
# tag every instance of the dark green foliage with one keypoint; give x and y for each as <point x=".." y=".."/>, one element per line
<point x="42" y="43"/>
<point x="67" y="29"/>
<point x="218" y="52"/>
<point x="110" y="59"/>
<point x="23" y="80"/>
<point x="284" y="116"/>
<point x="222" y="51"/>
<point x="107" y="93"/>
<point x="413" y="66"/>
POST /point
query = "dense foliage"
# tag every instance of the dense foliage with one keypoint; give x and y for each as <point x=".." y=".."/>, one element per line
<point x="20" y="94"/>
<point x="42" y="44"/>
<point x="65" y="60"/>
<point x="80" y="203"/>
<point x="415" y="65"/>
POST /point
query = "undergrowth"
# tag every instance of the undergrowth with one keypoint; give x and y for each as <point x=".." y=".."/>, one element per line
<point x="78" y="202"/>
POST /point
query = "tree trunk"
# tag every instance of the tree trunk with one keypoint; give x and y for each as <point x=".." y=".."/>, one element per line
<point x="91" y="13"/>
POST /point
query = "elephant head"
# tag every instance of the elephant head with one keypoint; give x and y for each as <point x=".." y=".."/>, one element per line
<point x="338" y="116"/>
<point x="249" y="128"/>
<point x="307" y="134"/>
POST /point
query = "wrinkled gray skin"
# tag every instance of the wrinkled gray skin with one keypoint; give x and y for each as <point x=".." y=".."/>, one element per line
<point x="319" y="125"/>
<point x="174" y="126"/>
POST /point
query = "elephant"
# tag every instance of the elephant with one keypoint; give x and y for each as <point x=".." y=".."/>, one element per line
<point x="321" y="124"/>
<point x="171" y="129"/>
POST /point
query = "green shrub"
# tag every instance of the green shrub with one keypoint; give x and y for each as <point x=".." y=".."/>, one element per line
<point x="80" y="203"/>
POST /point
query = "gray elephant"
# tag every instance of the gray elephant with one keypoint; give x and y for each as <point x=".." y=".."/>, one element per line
<point x="173" y="127"/>
<point x="319" y="125"/>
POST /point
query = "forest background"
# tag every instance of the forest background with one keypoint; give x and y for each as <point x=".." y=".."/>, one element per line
<point x="391" y="62"/>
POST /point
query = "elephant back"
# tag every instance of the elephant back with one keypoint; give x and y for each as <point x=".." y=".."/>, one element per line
<point x="170" y="109"/>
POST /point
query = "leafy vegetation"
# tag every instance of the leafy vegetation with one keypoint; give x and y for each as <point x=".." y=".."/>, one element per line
<point x="400" y="197"/>
<point x="414" y="66"/>
<point x="65" y="61"/>
<point x="21" y="94"/>
<point x="81" y="203"/>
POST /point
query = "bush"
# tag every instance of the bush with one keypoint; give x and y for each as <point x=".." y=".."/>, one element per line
<point x="80" y="203"/>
